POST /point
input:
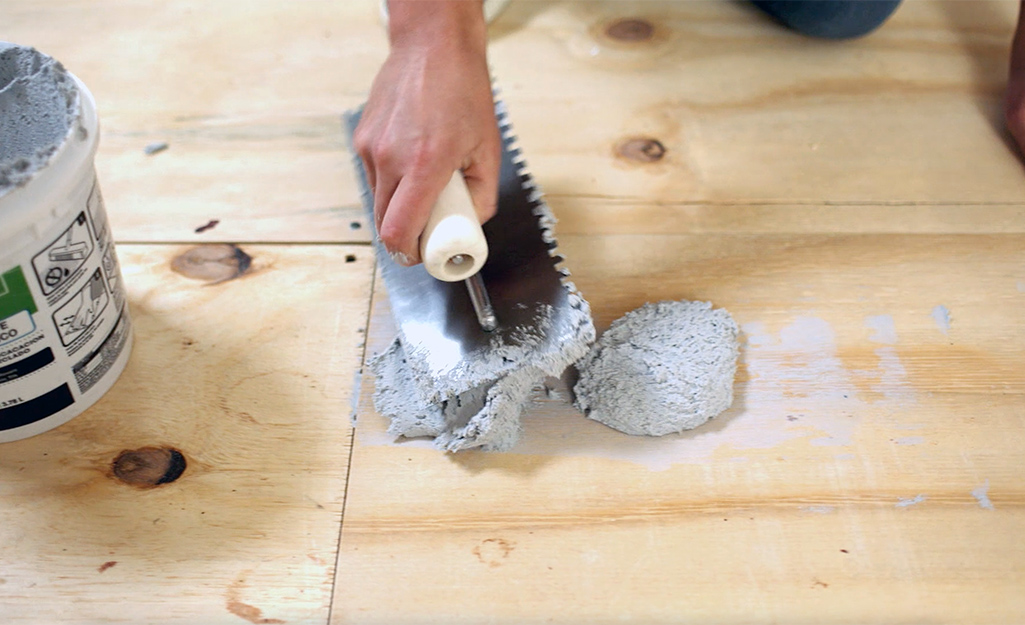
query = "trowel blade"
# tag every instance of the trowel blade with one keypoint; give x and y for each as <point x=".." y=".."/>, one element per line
<point x="447" y="351"/>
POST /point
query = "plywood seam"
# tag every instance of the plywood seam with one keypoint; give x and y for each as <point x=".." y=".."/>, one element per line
<point x="352" y="444"/>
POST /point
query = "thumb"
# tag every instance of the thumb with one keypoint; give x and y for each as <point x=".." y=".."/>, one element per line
<point x="482" y="182"/>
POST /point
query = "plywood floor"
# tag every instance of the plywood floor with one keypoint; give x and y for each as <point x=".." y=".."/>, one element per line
<point x="856" y="206"/>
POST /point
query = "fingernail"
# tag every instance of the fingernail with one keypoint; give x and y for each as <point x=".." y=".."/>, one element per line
<point x="401" y="258"/>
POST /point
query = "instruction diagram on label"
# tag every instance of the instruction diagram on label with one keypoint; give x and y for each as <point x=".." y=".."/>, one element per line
<point x="83" y="310"/>
<point x="95" y="365"/>
<point x="112" y="270"/>
<point x="61" y="261"/>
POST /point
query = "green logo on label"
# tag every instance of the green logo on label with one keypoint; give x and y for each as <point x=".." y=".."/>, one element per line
<point x="14" y="294"/>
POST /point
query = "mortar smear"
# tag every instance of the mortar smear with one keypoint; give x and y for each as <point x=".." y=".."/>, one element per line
<point x="660" y="369"/>
<point x="485" y="416"/>
<point x="39" y="105"/>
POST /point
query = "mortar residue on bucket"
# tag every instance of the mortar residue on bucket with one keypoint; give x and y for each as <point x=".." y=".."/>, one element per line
<point x="39" y="105"/>
<point x="65" y="334"/>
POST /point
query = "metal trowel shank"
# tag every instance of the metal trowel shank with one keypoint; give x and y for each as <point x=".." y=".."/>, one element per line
<point x="540" y="315"/>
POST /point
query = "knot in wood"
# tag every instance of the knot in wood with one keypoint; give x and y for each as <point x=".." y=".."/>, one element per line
<point x="641" y="149"/>
<point x="148" y="467"/>
<point x="212" y="263"/>
<point x="630" y="29"/>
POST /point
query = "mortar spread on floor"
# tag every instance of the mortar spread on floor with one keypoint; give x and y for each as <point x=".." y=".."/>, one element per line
<point x="488" y="414"/>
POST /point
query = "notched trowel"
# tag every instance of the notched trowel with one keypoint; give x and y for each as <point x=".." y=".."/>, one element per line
<point x="445" y="375"/>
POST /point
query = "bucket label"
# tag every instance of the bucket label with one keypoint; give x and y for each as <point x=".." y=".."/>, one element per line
<point x="16" y="326"/>
<point x="64" y="323"/>
<point x="79" y="315"/>
<point x="16" y="310"/>
<point x="15" y="295"/>
<point x="17" y="412"/>
<point x="63" y="261"/>
<point x="99" y="361"/>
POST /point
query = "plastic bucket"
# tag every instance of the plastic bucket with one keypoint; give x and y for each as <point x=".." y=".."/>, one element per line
<point x="65" y="332"/>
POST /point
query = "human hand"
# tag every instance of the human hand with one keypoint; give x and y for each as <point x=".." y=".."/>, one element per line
<point x="430" y="113"/>
<point x="1014" y="102"/>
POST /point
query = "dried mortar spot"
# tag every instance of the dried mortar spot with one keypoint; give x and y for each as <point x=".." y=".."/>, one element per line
<point x="155" y="148"/>
<point x="641" y="149"/>
<point x="630" y="29"/>
<point x="148" y="467"/>
<point x="212" y="263"/>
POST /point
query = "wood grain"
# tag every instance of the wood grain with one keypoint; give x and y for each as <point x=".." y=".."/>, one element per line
<point x="831" y="195"/>
<point x="601" y="215"/>
<point x="249" y="380"/>
<point x="248" y="96"/>
<point x="846" y="484"/>
<point x="746" y="112"/>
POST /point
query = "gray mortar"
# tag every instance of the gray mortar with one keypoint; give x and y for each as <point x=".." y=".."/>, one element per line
<point x="660" y="369"/>
<point x="479" y="402"/>
<point x="39" y="105"/>
<point x="487" y="415"/>
<point x="536" y="346"/>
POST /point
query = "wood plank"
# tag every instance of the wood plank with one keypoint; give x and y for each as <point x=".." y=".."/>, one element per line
<point x="747" y="112"/>
<point x="601" y="215"/>
<point x="250" y="379"/>
<point x="248" y="95"/>
<point x="848" y="483"/>
<point x="255" y="142"/>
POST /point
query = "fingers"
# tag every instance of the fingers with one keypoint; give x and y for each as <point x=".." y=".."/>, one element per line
<point x="383" y="176"/>
<point x="368" y="167"/>
<point x="1014" y="111"/>
<point x="383" y="193"/>
<point x="403" y="203"/>
<point x="427" y="114"/>
<point x="407" y="213"/>
<point x="404" y="193"/>
<point x="361" y="143"/>
<point x="1016" y="125"/>
<point x="482" y="179"/>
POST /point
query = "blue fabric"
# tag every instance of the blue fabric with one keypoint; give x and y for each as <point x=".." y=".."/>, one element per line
<point x="830" y="19"/>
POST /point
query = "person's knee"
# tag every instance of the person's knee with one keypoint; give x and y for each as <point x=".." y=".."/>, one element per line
<point x="830" y="19"/>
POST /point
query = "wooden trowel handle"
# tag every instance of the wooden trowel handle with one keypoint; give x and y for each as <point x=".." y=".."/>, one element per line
<point x="452" y="245"/>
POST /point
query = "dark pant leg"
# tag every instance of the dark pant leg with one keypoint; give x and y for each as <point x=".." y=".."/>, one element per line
<point x="831" y="19"/>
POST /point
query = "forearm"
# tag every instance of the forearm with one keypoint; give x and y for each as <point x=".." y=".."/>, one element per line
<point x="1018" y="45"/>
<point x="437" y="23"/>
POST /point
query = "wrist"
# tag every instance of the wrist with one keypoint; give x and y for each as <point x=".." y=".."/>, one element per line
<point x="437" y="23"/>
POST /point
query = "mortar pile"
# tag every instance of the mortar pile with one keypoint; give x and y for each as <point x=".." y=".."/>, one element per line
<point x="486" y="413"/>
